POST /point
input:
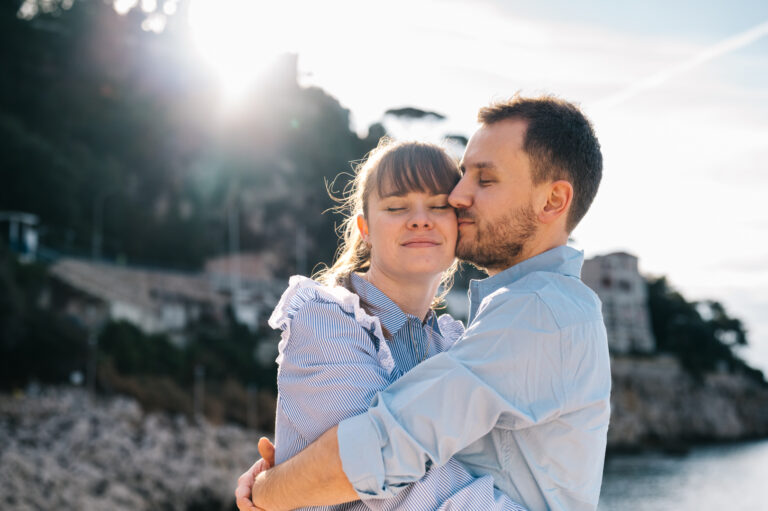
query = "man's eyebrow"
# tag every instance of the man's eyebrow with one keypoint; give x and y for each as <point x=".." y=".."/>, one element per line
<point x="482" y="165"/>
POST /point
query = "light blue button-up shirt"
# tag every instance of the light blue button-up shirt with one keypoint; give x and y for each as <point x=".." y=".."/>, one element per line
<point x="334" y="358"/>
<point x="522" y="396"/>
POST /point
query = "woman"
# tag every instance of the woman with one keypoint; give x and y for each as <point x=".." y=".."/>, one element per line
<point x="368" y="319"/>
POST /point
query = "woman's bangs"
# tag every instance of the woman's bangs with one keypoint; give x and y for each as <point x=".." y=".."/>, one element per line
<point x="416" y="169"/>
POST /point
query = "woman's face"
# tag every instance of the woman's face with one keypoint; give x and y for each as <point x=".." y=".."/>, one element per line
<point x="412" y="236"/>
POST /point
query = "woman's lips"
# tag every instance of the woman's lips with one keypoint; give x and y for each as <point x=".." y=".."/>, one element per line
<point x="420" y="243"/>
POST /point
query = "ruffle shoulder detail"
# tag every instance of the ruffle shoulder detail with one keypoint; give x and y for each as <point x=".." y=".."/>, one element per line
<point x="302" y="290"/>
<point x="451" y="329"/>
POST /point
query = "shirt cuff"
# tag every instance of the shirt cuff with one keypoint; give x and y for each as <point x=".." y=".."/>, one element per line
<point x="361" y="459"/>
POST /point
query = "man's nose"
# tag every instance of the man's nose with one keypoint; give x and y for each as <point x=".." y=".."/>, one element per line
<point x="460" y="197"/>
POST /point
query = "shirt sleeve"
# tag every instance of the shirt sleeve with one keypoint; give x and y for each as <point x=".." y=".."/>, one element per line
<point x="329" y="370"/>
<point x="505" y="372"/>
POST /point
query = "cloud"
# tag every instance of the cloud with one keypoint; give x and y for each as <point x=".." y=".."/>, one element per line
<point x="722" y="48"/>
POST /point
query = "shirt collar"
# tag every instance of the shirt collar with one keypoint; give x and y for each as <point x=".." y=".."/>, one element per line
<point x="563" y="260"/>
<point x="378" y="304"/>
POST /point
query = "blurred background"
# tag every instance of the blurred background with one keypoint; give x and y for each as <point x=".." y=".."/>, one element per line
<point x="165" y="167"/>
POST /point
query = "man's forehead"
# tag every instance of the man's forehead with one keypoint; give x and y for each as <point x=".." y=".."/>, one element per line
<point x="480" y="153"/>
<point x="493" y="143"/>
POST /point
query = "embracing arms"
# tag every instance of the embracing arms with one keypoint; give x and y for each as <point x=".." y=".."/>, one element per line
<point x="435" y="410"/>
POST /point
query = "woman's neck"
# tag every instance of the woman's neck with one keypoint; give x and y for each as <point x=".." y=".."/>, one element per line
<point x="413" y="296"/>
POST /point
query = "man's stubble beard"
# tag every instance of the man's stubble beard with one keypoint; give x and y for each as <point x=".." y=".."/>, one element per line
<point x="497" y="245"/>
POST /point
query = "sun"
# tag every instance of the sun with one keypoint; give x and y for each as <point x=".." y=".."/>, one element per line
<point x="237" y="40"/>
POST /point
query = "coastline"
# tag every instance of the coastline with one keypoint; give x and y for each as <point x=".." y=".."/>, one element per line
<point x="656" y="404"/>
<point x="105" y="452"/>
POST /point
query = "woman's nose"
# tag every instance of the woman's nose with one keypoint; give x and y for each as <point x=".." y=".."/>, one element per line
<point x="420" y="219"/>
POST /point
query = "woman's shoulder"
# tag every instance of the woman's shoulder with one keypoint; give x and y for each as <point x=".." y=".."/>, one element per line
<point x="303" y="292"/>
<point x="308" y="306"/>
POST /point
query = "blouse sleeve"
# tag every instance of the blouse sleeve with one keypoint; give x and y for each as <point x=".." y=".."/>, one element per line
<point x="329" y="370"/>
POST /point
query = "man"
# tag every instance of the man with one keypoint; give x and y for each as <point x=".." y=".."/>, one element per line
<point x="524" y="394"/>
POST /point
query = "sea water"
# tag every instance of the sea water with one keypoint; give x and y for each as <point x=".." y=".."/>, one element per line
<point x="732" y="477"/>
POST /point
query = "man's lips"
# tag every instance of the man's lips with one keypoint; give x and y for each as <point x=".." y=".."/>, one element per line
<point x="465" y="221"/>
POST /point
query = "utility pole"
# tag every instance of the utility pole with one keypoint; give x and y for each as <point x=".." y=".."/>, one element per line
<point x="93" y="343"/>
<point x="234" y="248"/>
<point x="98" y="221"/>
<point x="252" y="407"/>
<point x="301" y="250"/>
<point x="199" y="392"/>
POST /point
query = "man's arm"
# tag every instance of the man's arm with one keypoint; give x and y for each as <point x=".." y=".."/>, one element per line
<point x="312" y="477"/>
<point x="498" y="373"/>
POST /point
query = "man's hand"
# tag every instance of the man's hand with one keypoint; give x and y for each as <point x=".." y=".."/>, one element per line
<point x="245" y="482"/>
<point x="314" y="477"/>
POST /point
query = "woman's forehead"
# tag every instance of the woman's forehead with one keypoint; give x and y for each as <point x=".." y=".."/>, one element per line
<point x="401" y="182"/>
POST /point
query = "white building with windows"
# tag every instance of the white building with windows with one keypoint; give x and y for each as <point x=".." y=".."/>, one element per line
<point x="617" y="281"/>
<point x="156" y="301"/>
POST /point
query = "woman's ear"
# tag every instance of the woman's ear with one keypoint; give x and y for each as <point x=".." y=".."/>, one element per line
<point x="362" y="226"/>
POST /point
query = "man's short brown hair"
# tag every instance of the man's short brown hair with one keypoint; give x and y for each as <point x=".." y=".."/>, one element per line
<point x="560" y="142"/>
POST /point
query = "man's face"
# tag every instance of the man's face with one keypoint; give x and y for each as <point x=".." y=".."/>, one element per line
<point x="495" y="197"/>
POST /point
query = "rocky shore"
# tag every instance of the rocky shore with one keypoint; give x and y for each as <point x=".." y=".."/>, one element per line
<point x="60" y="450"/>
<point x="655" y="403"/>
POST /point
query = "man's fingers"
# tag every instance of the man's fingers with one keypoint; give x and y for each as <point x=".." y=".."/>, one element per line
<point x="267" y="450"/>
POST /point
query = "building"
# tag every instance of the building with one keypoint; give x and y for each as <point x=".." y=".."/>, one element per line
<point x="22" y="237"/>
<point x="247" y="278"/>
<point x="156" y="301"/>
<point x="624" y="293"/>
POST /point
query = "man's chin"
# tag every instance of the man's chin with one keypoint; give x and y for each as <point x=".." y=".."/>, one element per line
<point x="466" y="253"/>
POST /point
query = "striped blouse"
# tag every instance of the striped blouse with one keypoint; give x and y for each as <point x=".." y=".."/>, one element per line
<point x="333" y="358"/>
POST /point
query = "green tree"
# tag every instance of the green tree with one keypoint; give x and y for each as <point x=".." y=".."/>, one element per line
<point x="702" y="335"/>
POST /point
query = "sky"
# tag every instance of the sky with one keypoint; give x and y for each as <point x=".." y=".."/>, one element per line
<point x="677" y="91"/>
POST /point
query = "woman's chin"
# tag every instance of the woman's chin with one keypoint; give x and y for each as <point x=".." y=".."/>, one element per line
<point x="423" y="272"/>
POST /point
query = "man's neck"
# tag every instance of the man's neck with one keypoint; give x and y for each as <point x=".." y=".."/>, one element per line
<point x="532" y="249"/>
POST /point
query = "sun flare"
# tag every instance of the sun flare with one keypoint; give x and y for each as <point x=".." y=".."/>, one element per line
<point x="237" y="39"/>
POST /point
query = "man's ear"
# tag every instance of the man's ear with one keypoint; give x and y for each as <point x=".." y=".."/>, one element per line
<point x="362" y="226"/>
<point x="558" y="201"/>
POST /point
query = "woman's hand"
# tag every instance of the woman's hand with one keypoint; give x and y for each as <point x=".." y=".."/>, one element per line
<point x="245" y="482"/>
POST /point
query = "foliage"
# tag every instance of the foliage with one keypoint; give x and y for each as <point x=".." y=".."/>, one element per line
<point x="34" y="343"/>
<point x="701" y="334"/>
<point x="161" y="374"/>
<point x="108" y="129"/>
<point x="105" y="127"/>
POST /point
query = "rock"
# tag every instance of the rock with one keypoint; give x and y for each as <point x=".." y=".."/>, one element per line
<point x="655" y="402"/>
<point x="62" y="450"/>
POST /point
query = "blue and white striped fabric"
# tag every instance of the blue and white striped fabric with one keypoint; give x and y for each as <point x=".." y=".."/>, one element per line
<point x="334" y="358"/>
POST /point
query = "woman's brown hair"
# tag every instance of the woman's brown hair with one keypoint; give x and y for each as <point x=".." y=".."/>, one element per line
<point x="391" y="168"/>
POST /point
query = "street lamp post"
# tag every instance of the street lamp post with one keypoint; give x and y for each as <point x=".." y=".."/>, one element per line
<point x="98" y="216"/>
